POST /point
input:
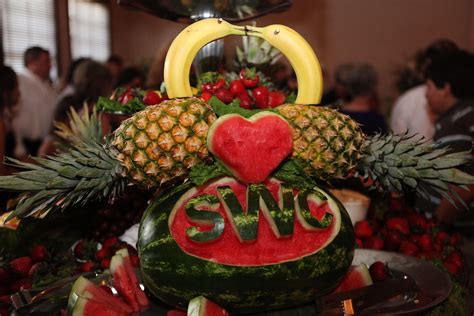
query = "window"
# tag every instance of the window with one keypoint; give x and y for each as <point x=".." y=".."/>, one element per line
<point x="27" y="23"/>
<point x="89" y="30"/>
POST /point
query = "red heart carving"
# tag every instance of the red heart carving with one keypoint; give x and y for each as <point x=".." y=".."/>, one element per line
<point x="250" y="148"/>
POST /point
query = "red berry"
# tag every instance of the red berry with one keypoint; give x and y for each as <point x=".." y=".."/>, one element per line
<point x="363" y="230"/>
<point x="408" y="248"/>
<point x="79" y="249"/>
<point x="398" y="224"/>
<point x="442" y="238"/>
<point x="249" y="77"/>
<point x="374" y="242"/>
<point x="245" y="101"/>
<point x="152" y="98"/>
<point x="392" y="240"/>
<point x="110" y="242"/>
<point x="237" y="88"/>
<point x="451" y="267"/>
<point x="36" y="267"/>
<point x="276" y="98"/>
<point x="206" y="96"/>
<point x="105" y="263"/>
<point x="425" y="242"/>
<point x="260" y="95"/>
<point x="21" y="265"/>
<point x="206" y="87"/>
<point x="378" y="271"/>
<point x="359" y="243"/>
<point x="224" y="95"/>
<point x="38" y="253"/>
<point x="219" y="84"/>
<point x="455" y="239"/>
<point x="103" y="253"/>
<point x="455" y="257"/>
<point x="20" y="285"/>
<point x="126" y="97"/>
<point x="418" y="223"/>
<point x="87" y="266"/>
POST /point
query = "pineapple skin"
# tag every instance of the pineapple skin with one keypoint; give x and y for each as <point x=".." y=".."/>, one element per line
<point x="327" y="142"/>
<point x="162" y="142"/>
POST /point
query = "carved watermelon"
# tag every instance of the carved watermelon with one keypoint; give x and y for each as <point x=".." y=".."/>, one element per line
<point x="245" y="247"/>
<point x="250" y="148"/>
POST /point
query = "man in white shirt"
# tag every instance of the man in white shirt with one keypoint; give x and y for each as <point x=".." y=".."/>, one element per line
<point x="410" y="111"/>
<point x="36" y="108"/>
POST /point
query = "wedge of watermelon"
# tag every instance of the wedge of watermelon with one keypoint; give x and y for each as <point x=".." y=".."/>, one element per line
<point x="89" y="307"/>
<point x="201" y="306"/>
<point x="357" y="276"/>
<point x="88" y="290"/>
<point x="176" y="312"/>
<point x="126" y="283"/>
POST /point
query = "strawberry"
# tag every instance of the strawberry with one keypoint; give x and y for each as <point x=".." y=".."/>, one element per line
<point x="110" y="242"/>
<point x="260" y="95"/>
<point x="103" y="253"/>
<point x="398" y="224"/>
<point x="374" y="242"/>
<point x="392" y="240"/>
<point x="455" y="257"/>
<point x="276" y="98"/>
<point x="79" y="249"/>
<point x="126" y="97"/>
<point x="206" y="87"/>
<point x="206" y="95"/>
<point x="442" y="238"/>
<point x="425" y="242"/>
<point x="237" y="87"/>
<point x="87" y="266"/>
<point x="224" y="95"/>
<point x="417" y="222"/>
<point x="363" y="230"/>
<point x="219" y="84"/>
<point x="451" y="267"/>
<point x="105" y="263"/>
<point x="408" y="248"/>
<point x="378" y="271"/>
<point x="38" y="267"/>
<point x="359" y="243"/>
<point x="21" y="265"/>
<point x="176" y="312"/>
<point x="245" y="101"/>
<point x="38" y="253"/>
<point x="152" y="98"/>
<point x="455" y="239"/>
<point x="20" y="285"/>
<point x="249" y="77"/>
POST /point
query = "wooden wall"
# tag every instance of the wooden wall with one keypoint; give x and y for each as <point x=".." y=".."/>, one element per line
<point x="382" y="32"/>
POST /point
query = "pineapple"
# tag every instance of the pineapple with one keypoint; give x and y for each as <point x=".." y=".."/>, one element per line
<point x="331" y="145"/>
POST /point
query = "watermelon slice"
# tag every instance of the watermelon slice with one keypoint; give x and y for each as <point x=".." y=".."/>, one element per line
<point x="86" y="289"/>
<point x="250" y="148"/>
<point x="201" y="306"/>
<point x="126" y="283"/>
<point x="357" y="276"/>
<point x="176" y="312"/>
<point x="88" y="307"/>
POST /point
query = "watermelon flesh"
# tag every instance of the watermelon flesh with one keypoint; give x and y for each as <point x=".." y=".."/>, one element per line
<point x="89" y="307"/>
<point x="126" y="283"/>
<point x="176" y="312"/>
<point x="250" y="148"/>
<point x="86" y="289"/>
<point x="201" y="306"/>
<point x="356" y="277"/>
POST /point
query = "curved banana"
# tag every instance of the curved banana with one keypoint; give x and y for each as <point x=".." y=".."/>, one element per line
<point x="301" y="57"/>
<point x="185" y="47"/>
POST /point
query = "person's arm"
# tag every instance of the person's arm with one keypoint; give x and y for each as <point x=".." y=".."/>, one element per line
<point x="447" y="212"/>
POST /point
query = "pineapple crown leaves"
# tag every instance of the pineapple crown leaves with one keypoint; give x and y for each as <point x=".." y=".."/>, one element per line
<point x="75" y="177"/>
<point x="256" y="51"/>
<point x="397" y="162"/>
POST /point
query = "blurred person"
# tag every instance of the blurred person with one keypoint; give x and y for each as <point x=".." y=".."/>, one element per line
<point x="337" y="95"/>
<point x="358" y="86"/>
<point x="91" y="80"/>
<point x="10" y="95"/>
<point x="410" y="111"/>
<point x="67" y="87"/>
<point x="114" y="64"/>
<point x="450" y="95"/>
<point x="37" y="103"/>
<point x="130" y="77"/>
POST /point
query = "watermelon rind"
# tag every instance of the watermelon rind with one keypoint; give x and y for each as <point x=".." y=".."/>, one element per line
<point x="176" y="277"/>
<point x="357" y="276"/>
<point x="201" y="306"/>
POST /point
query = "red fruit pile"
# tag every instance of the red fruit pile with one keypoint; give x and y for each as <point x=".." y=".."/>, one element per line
<point x="248" y="89"/>
<point x="17" y="274"/>
<point x="151" y="97"/>
<point x="89" y="258"/>
<point x="414" y="235"/>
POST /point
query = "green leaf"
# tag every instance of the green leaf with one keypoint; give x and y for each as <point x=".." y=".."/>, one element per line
<point x="202" y="173"/>
<point x="232" y="108"/>
<point x="292" y="171"/>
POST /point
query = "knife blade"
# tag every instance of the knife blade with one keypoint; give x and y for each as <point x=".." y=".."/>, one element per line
<point x="364" y="297"/>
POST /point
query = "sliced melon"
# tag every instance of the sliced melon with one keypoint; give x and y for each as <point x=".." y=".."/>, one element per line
<point x="201" y="306"/>
<point x="89" y="307"/>
<point x="356" y="277"/>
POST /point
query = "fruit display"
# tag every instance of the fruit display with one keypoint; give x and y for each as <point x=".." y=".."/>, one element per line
<point x="242" y="214"/>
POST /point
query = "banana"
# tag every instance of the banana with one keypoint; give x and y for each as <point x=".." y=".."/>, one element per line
<point x="185" y="47"/>
<point x="301" y="57"/>
<point x="187" y="44"/>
